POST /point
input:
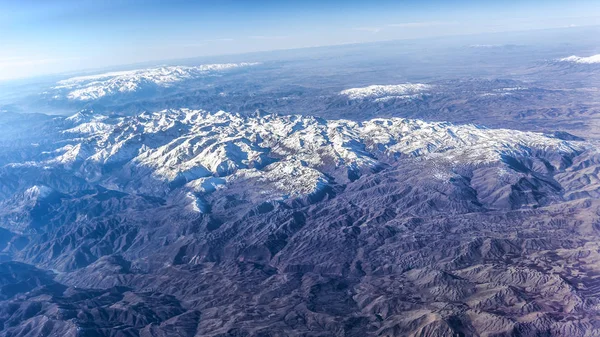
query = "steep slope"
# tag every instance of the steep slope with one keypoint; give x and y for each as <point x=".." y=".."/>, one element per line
<point x="170" y="145"/>
<point x="217" y="224"/>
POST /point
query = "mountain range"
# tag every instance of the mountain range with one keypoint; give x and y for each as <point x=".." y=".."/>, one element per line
<point x="186" y="222"/>
<point x="431" y="188"/>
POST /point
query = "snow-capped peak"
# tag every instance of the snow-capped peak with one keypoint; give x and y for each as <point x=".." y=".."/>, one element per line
<point x="284" y="156"/>
<point x="405" y="90"/>
<point x="594" y="59"/>
<point x="37" y="192"/>
<point x="92" y="87"/>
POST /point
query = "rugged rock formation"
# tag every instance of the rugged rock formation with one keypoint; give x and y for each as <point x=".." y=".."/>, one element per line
<point x="189" y="223"/>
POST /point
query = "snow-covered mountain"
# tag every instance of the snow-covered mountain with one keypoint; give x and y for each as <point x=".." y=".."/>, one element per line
<point x="180" y="202"/>
<point x="282" y="156"/>
<point x="386" y="92"/>
<point x="594" y="59"/>
<point x="306" y="208"/>
<point x="93" y="87"/>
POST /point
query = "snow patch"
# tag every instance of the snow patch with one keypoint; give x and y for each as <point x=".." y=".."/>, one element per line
<point x="37" y="192"/>
<point x="284" y="156"/>
<point x="594" y="59"/>
<point x="93" y="87"/>
<point x="406" y="90"/>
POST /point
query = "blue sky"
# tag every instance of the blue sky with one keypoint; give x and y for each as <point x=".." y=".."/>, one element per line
<point x="51" y="36"/>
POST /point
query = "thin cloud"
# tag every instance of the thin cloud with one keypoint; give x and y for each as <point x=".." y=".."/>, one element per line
<point x="420" y="24"/>
<point x="266" y="37"/>
<point x="8" y="59"/>
<point x="20" y="62"/>
<point x="373" y="30"/>
<point x="205" y="42"/>
<point x="219" y="40"/>
<point x="192" y="45"/>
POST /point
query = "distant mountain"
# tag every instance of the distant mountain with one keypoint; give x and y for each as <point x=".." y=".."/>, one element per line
<point x="380" y="93"/>
<point x="582" y="60"/>
<point x="94" y="87"/>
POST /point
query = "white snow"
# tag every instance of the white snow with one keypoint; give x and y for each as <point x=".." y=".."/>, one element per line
<point x="287" y="156"/>
<point x="582" y="60"/>
<point x="37" y="192"/>
<point x="93" y="87"/>
<point x="406" y="90"/>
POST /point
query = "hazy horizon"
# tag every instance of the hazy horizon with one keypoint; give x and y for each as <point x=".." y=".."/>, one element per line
<point x="43" y="38"/>
<point x="505" y="37"/>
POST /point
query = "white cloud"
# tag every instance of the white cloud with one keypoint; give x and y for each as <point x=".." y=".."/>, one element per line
<point x="192" y="45"/>
<point x="420" y="24"/>
<point x="22" y="62"/>
<point x="8" y="59"/>
<point x="266" y="37"/>
<point x="205" y="42"/>
<point x="373" y="30"/>
<point x="219" y="40"/>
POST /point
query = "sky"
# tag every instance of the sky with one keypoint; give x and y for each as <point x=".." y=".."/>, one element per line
<point x="39" y="37"/>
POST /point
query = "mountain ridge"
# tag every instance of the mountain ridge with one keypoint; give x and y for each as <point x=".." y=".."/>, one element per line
<point x="386" y="226"/>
